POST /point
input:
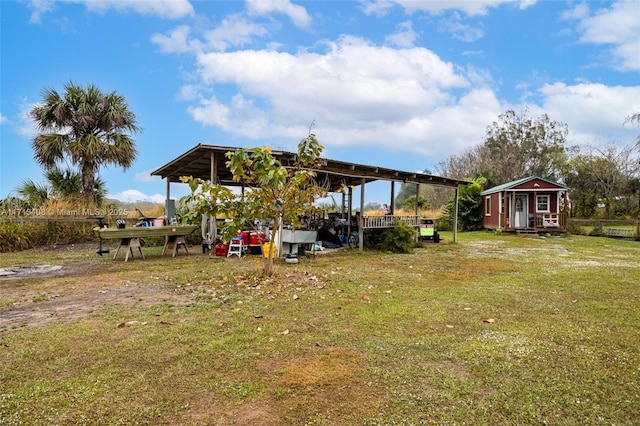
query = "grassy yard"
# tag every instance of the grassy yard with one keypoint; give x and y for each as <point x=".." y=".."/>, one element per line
<point x="497" y="329"/>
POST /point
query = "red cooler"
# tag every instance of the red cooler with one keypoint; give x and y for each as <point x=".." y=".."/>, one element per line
<point x="245" y="237"/>
<point x="256" y="239"/>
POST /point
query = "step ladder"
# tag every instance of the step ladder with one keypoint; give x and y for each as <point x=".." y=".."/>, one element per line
<point x="235" y="247"/>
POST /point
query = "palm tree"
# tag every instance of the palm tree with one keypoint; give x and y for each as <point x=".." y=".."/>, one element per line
<point x="64" y="183"/>
<point x="86" y="127"/>
<point x="60" y="184"/>
<point x="34" y="194"/>
<point x="68" y="183"/>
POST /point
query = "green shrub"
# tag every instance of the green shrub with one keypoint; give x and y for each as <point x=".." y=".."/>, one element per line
<point x="399" y="239"/>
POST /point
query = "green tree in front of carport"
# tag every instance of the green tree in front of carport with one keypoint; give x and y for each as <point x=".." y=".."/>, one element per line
<point x="272" y="191"/>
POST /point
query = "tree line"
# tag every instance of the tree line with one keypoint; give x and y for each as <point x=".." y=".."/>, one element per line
<point x="604" y="180"/>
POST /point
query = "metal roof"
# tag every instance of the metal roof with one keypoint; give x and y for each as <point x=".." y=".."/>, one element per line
<point x="332" y="174"/>
<point x="518" y="182"/>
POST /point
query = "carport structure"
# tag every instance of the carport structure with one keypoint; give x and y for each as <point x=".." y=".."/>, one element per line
<point x="208" y="162"/>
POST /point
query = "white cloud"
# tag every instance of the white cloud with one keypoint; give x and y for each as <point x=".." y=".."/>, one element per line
<point x="524" y="4"/>
<point x="25" y="125"/>
<point x="470" y="8"/>
<point x="145" y="176"/>
<point x="39" y="8"/>
<point x="405" y="36"/>
<point x="133" y="195"/>
<point x="189" y="92"/>
<point x="171" y="9"/>
<point x="3" y="119"/>
<point x="296" y="13"/>
<point x="459" y="30"/>
<point x="177" y="41"/>
<point x="617" y="27"/>
<point x="580" y="11"/>
<point x="234" y="30"/>
<point x="592" y="111"/>
<point x="358" y="93"/>
<point x="377" y="8"/>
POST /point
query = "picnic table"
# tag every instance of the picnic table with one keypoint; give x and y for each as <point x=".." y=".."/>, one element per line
<point x="129" y="238"/>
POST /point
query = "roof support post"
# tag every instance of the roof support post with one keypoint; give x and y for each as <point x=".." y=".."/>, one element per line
<point x="392" y="203"/>
<point x="512" y="213"/>
<point x="349" y="210"/>
<point x="416" y="210"/>
<point x="455" y="217"/>
<point x="168" y="190"/>
<point x="211" y="226"/>
<point x="213" y="174"/>
<point x="361" y="221"/>
<point x="500" y="208"/>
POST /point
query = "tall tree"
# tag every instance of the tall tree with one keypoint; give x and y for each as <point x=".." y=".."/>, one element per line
<point x="634" y="119"/>
<point x="520" y="146"/>
<point x="86" y="127"/>
<point x="604" y="176"/>
<point x="470" y="163"/>
<point x="581" y="177"/>
<point x="514" y="146"/>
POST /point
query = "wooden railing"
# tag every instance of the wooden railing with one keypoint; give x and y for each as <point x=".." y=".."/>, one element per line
<point x="388" y="220"/>
<point x="550" y="220"/>
<point x="541" y="221"/>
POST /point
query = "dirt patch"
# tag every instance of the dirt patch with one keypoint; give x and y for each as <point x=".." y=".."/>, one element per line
<point x="30" y="271"/>
<point x="36" y="295"/>
<point x="46" y="308"/>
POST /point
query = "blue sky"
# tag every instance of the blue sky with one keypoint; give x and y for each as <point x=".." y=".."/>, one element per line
<point x="392" y="83"/>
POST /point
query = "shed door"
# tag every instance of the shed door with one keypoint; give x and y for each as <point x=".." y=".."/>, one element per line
<point x="521" y="213"/>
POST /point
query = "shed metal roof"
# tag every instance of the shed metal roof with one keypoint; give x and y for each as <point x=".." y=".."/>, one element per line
<point x="518" y="182"/>
<point x="333" y="174"/>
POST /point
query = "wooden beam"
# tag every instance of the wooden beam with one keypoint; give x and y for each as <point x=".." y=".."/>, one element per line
<point x="392" y="204"/>
<point x="455" y="218"/>
<point x="361" y="221"/>
<point x="417" y="198"/>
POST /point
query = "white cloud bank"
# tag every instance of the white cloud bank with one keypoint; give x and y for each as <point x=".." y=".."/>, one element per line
<point x="469" y="8"/>
<point x="616" y="27"/>
<point x="134" y="195"/>
<point x="402" y="99"/>
<point x="593" y="111"/>
<point x="357" y="93"/>
<point x="169" y="9"/>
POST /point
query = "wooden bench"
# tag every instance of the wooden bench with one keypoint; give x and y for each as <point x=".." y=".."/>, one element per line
<point x="130" y="237"/>
<point x="618" y="232"/>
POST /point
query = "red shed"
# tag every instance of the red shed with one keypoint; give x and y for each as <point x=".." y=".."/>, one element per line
<point x="532" y="204"/>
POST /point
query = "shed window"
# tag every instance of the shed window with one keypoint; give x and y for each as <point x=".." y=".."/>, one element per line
<point x="542" y="203"/>
<point x="487" y="206"/>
